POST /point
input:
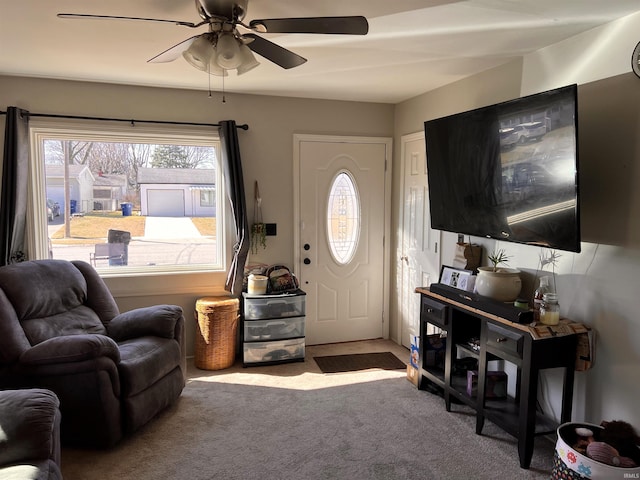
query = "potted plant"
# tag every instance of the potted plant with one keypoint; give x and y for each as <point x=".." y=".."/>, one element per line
<point x="258" y="236"/>
<point x="498" y="257"/>
<point x="258" y="228"/>
<point x="499" y="283"/>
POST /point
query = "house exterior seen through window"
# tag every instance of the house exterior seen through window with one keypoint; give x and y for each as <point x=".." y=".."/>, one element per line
<point x="135" y="204"/>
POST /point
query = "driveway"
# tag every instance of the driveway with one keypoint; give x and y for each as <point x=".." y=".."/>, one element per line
<point x="166" y="241"/>
<point x="154" y="227"/>
<point x="170" y="227"/>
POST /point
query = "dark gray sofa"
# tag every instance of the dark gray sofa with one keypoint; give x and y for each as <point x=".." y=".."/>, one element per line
<point x="61" y="329"/>
<point x="30" y="439"/>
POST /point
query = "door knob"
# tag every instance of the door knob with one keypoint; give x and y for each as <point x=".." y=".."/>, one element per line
<point x="307" y="261"/>
<point x="306" y="246"/>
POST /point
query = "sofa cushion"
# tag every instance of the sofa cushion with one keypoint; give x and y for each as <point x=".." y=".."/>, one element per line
<point x="13" y="341"/>
<point x="40" y="470"/>
<point x="43" y="288"/>
<point x="70" y="349"/>
<point x="144" y="361"/>
<point x="75" y="321"/>
<point x="158" y="320"/>
<point x="48" y="298"/>
<point x="28" y="420"/>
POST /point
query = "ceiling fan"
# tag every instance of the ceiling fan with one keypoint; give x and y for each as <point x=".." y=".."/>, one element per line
<point x="224" y="48"/>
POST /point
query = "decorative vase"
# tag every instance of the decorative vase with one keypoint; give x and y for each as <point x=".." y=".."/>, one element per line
<point x="503" y="285"/>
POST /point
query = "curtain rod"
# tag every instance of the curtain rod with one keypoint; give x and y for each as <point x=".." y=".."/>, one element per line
<point x="132" y="121"/>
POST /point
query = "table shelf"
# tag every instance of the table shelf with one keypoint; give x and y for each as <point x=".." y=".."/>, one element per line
<point x="497" y="339"/>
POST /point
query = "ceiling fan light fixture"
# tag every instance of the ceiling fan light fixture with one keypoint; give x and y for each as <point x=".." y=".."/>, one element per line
<point x="200" y="53"/>
<point x="228" y="51"/>
<point x="224" y="48"/>
<point x="249" y="61"/>
<point x="215" y="69"/>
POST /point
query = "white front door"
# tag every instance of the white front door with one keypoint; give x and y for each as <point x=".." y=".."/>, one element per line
<point x="419" y="257"/>
<point x="341" y="211"/>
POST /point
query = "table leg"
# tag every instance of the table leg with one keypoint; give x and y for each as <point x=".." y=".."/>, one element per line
<point x="528" y="398"/>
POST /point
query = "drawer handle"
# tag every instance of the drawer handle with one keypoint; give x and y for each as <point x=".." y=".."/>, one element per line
<point x="501" y="339"/>
<point x="430" y="310"/>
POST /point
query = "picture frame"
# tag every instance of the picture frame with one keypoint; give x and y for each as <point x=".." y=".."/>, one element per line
<point x="457" y="278"/>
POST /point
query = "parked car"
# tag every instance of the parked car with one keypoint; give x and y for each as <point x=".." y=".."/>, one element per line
<point x="531" y="131"/>
<point x="53" y="209"/>
<point x="508" y="138"/>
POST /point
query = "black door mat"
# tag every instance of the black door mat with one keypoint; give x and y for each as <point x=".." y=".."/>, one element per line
<point x="359" y="361"/>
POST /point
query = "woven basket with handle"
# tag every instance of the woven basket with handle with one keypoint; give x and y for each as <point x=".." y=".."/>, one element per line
<point x="217" y="332"/>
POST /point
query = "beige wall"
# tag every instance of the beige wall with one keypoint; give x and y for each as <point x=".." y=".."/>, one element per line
<point x="267" y="154"/>
<point x="600" y="285"/>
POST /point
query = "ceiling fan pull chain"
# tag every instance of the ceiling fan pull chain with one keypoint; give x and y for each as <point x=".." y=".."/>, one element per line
<point x="224" y="100"/>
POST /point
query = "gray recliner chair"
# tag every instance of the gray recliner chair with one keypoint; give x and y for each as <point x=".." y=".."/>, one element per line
<point x="60" y="329"/>
<point x="30" y="439"/>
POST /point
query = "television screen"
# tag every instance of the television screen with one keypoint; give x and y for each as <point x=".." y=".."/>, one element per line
<point x="508" y="171"/>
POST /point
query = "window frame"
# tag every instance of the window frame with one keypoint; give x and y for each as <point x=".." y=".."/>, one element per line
<point x="108" y="131"/>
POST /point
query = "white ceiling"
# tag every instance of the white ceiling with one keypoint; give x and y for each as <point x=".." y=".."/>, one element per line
<point x="413" y="46"/>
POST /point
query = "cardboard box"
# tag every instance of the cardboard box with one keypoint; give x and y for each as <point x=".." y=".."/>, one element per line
<point x="415" y="351"/>
<point x="434" y="351"/>
<point x="412" y="375"/>
<point x="496" y="384"/>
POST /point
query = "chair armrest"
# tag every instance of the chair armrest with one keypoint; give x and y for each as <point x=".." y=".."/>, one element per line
<point x="158" y="320"/>
<point x="70" y="349"/>
<point x="29" y="422"/>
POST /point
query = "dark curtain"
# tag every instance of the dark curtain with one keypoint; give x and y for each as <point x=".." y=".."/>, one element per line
<point x="15" y="170"/>
<point x="232" y="171"/>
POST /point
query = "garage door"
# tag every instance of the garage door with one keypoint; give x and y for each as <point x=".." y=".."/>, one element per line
<point x="165" y="203"/>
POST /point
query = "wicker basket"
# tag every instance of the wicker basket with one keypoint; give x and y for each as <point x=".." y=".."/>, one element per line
<point x="217" y="331"/>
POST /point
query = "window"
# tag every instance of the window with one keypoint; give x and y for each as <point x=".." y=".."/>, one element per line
<point x="207" y="198"/>
<point x="343" y="218"/>
<point x="155" y="193"/>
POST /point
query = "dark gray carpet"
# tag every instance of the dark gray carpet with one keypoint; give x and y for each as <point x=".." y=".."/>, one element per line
<point x="291" y="422"/>
<point x="359" y="361"/>
<point x="382" y="429"/>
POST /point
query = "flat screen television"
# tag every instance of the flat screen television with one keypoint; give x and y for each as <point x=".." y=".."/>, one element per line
<point x="508" y="171"/>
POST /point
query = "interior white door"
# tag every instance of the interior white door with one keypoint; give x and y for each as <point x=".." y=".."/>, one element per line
<point x="419" y="257"/>
<point x="341" y="187"/>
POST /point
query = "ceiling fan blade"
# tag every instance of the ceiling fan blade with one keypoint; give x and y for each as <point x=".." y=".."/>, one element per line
<point x="332" y="25"/>
<point x="275" y="53"/>
<point x="174" y="52"/>
<point x="111" y="17"/>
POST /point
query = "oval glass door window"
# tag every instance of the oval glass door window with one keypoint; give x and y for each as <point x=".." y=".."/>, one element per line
<point x="343" y="218"/>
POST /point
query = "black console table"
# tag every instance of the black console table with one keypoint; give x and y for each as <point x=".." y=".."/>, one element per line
<point x="469" y="332"/>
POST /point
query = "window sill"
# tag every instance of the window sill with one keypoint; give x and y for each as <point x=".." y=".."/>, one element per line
<point x="166" y="283"/>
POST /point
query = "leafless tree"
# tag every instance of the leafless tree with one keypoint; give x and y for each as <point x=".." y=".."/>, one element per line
<point x="79" y="152"/>
<point x="139" y="157"/>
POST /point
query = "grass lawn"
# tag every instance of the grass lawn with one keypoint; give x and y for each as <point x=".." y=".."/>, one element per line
<point x="94" y="226"/>
<point x="205" y="225"/>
